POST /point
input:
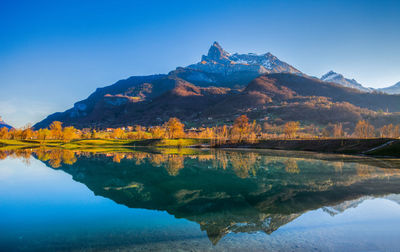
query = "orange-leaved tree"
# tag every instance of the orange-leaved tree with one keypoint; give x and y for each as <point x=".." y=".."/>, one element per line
<point x="290" y="129"/>
<point x="4" y="133"/>
<point x="338" y="130"/>
<point x="174" y="128"/>
<point x="69" y="133"/>
<point x="56" y="130"/>
<point x="241" y="128"/>
<point x="117" y="133"/>
<point x="364" y="129"/>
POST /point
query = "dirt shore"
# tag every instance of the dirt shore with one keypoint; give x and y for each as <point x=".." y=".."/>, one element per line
<point x="375" y="146"/>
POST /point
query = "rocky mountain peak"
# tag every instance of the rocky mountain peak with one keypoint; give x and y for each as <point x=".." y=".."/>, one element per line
<point x="217" y="53"/>
<point x="219" y="61"/>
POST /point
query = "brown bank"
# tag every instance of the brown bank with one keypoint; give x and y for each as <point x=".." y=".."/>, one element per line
<point x="373" y="147"/>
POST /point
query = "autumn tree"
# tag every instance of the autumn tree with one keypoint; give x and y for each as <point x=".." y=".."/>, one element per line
<point x="27" y="132"/>
<point x="15" y="134"/>
<point x="174" y="128"/>
<point x="157" y="132"/>
<point x="56" y="130"/>
<point x="364" y="129"/>
<point x="3" y="133"/>
<point x="117" y="133"/>
<point x="388" y="131"/>
<point x="222" y="133"/>
<point x="290" y="129"/>
<point x="338" y="130"/>
<point x="255" y="131"/>
<point x="69" y="133"/>
<point x="240" y="128"/>
<point x="43" y="134"/>
<point x="141" y="133"/>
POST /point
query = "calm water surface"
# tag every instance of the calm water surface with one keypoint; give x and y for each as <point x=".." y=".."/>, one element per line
<point x="198" y="200"/>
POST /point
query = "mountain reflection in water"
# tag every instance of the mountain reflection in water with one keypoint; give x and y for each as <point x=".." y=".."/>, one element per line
<point x="227" y="190"/>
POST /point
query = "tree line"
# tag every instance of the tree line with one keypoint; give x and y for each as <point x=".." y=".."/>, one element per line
<point x="242" y="130"/>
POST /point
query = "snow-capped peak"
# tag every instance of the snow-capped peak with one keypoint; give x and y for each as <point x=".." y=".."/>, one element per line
<point x="220" y="61"/>
<point x="337" y="78"/>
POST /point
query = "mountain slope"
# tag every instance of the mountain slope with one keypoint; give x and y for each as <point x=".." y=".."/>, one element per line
<point x="293" y="97"/>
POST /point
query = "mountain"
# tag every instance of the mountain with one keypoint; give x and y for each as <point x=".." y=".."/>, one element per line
<point x="395" y="89"/>
<point x="4" y="125"/>
<point x="332" y="76"/>
<point x="222" y="86"/>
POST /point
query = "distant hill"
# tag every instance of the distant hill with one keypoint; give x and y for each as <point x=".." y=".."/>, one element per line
<point x="332" y="76"/>
<point x="223" y="86"/>
<point x="395" y="89"/>
<point x="337" y="78"/>
<point x="4" y="125"/>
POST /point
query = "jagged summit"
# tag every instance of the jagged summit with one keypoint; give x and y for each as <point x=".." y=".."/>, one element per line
<point x="222" y="62"/>
<point x="216" y="53"/>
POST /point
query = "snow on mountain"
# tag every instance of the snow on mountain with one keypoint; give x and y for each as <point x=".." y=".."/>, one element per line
<point x="395" y="89"/>
<point x="221" y="62"/>
<point x="337" y="78"/>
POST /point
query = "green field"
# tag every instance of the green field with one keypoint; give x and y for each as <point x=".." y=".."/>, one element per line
<point x="103" y="143"/>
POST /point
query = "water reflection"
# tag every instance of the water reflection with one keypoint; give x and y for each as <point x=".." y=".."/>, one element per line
<point x="226" y="191"/>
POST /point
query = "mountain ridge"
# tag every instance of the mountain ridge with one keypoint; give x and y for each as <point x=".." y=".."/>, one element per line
<point x="219" y="88"/>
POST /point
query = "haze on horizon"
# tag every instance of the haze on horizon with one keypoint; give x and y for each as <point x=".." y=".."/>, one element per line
<point x="56" y="53"/>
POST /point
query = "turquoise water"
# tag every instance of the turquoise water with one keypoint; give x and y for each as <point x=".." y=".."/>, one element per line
<point x="157" y="200"/>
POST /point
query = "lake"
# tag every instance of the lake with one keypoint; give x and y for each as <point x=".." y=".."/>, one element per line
<point x="197" y="200"/>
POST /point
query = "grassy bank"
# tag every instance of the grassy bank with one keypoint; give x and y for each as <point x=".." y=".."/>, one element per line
<point x="104" y="143"/>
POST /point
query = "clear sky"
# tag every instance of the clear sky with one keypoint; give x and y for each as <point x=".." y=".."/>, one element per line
<point x="54" y="53"/>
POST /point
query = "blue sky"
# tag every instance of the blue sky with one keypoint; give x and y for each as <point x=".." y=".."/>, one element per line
<point x="54" y="53"/>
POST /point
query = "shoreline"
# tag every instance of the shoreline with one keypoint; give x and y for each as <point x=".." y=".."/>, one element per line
<point x="384" y="147"/>
<point x="377" y="147"/>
